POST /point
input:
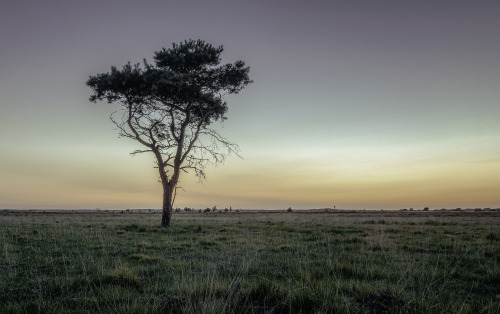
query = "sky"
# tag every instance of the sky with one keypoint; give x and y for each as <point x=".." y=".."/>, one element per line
<point x="355" y="104"/>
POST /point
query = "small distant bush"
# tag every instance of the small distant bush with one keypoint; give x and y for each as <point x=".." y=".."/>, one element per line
<point x="289" y="210"/>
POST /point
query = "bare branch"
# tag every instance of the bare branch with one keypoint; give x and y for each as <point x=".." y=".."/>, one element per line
<point x="140" y="151"/>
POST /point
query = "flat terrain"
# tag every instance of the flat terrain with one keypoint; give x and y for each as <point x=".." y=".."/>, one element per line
<point x="358" y="262"/>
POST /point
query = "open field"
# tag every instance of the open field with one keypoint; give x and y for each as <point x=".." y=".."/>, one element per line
<point x="411" y="262"/>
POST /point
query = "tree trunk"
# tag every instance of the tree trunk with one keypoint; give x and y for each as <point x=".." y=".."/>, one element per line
<point x="167" y="205"/>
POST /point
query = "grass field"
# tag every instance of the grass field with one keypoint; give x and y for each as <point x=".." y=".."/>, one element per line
<point x="409" y="262"/>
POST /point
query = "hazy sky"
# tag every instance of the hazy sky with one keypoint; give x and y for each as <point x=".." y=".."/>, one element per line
<point x="355" y="104"/>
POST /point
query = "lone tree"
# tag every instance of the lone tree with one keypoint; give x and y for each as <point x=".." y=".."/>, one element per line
<point x="168" y="107"/>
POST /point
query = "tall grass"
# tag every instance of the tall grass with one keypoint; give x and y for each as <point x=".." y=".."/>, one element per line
<point x="250" y="263"/>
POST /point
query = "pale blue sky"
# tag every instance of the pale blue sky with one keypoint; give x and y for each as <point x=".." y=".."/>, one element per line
<point x="358" y="104"/>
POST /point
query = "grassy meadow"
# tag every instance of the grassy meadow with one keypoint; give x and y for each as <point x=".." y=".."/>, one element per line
<point x="363" y="262"/>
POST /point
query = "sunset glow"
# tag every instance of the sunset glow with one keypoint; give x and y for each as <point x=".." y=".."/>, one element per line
<point x="375" y="106"/>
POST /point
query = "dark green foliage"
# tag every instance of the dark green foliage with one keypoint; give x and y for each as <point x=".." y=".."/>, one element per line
<point x="185" y="78"/>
